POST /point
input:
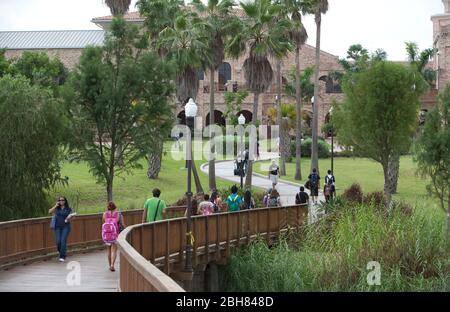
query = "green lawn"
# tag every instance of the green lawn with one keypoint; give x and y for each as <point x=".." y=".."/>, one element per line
<point x="130" y="191"/>
<point x="367" y="173"/>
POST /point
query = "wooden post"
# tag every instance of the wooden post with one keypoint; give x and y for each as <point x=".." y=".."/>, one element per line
<point x="167" y="247"/>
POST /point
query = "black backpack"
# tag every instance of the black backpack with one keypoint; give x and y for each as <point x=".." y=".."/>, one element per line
<point x="314" y="180"/>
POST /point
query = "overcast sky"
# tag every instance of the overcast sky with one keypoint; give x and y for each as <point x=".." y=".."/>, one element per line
<point x="385" y="24"/>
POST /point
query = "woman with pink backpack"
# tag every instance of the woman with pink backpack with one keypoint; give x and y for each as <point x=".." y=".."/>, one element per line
<point x="112" y="226"/>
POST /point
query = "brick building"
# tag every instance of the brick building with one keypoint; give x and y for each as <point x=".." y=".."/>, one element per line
<point x="68" y="45"/>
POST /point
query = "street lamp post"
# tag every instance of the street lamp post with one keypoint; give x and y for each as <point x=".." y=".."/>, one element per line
<point x="241" y="121"/>
<point x="190" y="111"/>
<point x="332" y="136"/>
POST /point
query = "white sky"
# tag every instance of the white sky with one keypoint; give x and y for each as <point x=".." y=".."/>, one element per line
<point x="385" y="24"/>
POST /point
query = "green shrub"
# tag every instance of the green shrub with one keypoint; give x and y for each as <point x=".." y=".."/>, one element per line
<point x="324" y="148"/>
<point x="333" y="254"/>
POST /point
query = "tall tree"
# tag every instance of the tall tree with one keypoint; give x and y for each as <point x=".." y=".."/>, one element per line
<point x="432" y="151"/>
<point x="118" y="7"/>
<point x="157" y="14"/>
<point x="216" y="15"/>
<point x="31" y="131"/>
<point x="316" y="7"/>
<point x="262" y="35"/>
<point x="119" y="104"/>
<point x="186" y="42"/>
<point x="299" y="36"/>
<point x="377" y="117"/>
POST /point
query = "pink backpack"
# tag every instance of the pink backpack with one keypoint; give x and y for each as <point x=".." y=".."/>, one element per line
<point x="110" y="228"/>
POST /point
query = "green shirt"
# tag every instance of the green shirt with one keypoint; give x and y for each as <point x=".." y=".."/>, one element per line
<point x="151" y="205"/>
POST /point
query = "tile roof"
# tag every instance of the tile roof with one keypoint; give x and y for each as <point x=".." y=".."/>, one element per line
<point x="54" y="39"/>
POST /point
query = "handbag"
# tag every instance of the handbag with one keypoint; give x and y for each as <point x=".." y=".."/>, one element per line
<point x="53" y="222"/>
<point x="308" y="185"/>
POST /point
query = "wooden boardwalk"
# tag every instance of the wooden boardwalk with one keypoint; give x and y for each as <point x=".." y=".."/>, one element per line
<point x="52" y="275"/>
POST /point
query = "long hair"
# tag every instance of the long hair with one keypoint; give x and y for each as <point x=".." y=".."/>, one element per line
<point x="111" y="206"/>
<point x="247" y="198"/>
<point x="66" y="202"/>
<point x="274" y="194"/>
<point x="214" y="196"/>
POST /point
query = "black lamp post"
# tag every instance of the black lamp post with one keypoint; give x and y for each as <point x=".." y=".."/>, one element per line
<point x="332" y="143"/>
<point x="191" y="111"/>
<point x="241" y="121"/>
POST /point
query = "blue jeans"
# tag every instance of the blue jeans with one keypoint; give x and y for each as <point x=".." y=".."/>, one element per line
<point x="61" y="234"/>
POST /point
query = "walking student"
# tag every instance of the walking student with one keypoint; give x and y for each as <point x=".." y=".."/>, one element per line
<point x="302" y="197"/>
<point x="154" y="207"/>
<point x="249" y="201"/>
<point x="330" y="181"/>
<point x="112" y="225"/>
<point x="274" y="172"/>
<point x="314" y="185"/>
<point x="274" y="199"/>
<point x="206" y="207"/>
<point x="61" y="224"/>
<point x="234" y="200"/>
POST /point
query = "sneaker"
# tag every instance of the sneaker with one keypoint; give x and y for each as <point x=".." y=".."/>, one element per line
<point x="61" y="260"/>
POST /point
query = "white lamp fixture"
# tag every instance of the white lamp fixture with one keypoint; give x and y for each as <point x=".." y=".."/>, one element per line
<point x="190" y="108"/>
<point x="241" y="120"/>
<point x="312" y="100"/>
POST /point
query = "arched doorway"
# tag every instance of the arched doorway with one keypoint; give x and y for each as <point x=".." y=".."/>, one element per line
<point x="218" y="118"/>
<point x="224" y="75"/>
<point x="181" y="118"/>
<point x="247" y="114"/>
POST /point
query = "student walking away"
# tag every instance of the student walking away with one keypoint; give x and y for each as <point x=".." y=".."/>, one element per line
<point x="302" y="197"/>
<point x="257" y="150"/>
<point x="112" y="226"/>
<point x="313" y="179"/>
<point x="206" y="207"/>
<point x="248" y="202"/>
<point x="216" y="201"/>
<point x="62" y="213"/>
<point x="330" y="181"/>
<point x="234" y="200"/>
<point x="246" y="157"/>
<point x="154" y="207"/>
<point x="266" y="197"/>
<point x="274" y="172"/>
<point x="274" y="199"/>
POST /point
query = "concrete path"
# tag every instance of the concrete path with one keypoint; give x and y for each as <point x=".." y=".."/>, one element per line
<point x="287" y="190"/>
<point x="87" y="272"/>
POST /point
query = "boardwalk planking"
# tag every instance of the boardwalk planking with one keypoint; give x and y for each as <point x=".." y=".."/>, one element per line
<point x="51" y="275"/>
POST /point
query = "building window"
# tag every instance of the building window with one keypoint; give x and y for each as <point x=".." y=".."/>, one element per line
<point x="224" y="75"/>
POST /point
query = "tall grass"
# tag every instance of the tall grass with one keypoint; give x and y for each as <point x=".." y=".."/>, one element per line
<point x="333" y="254"/>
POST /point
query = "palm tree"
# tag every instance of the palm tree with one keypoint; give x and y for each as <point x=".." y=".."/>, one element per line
<point x="157" y="14"/>
<point x="316" y="7"/>
<point x="118" y="7"/>
<point x="217" y="18"/>
<point x="187" y="44"/>
<point x="263" y="35"/>
<point x="299" y="36"/>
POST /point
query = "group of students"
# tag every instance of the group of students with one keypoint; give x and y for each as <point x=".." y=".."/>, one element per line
<point x="154" y="209"/>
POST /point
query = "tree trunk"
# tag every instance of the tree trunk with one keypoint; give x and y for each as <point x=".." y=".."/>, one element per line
<point x="109" y="187"/>
<point x="393" y="171"/>
<point x="298" y="130"/>
<point x="154" y="161"/>
<point x="280" y="121"/>
<point x="448" y="216"/>
<point x="286" y="139"/>
<point x="248" y="178"/>
<point x="315" y="129"/>
<point x="198" y="184"/>
<point x="387" y="193"/>
<point x="212" y="167"/>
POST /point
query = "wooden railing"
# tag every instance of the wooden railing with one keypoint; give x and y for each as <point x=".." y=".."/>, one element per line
<point x="150" y="253"/>
<point x="28" y="238"/>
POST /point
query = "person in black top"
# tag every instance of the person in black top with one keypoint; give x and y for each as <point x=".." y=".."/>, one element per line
<point x="330" y="181"/>
<point x="61" y="212"/>
<point x="302" y="197"/>
<point x="314" y="184"/>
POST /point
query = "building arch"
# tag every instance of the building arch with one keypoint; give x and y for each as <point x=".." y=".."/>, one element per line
<point x="219" y="119"/>
<point x="247" y="114"/>
<point x="224" y="75"/>
<point x="181" y="118"/>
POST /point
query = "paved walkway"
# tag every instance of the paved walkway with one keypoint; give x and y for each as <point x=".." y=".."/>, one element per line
<point x="55" y="276"/>
<point x="287" y="190"/>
